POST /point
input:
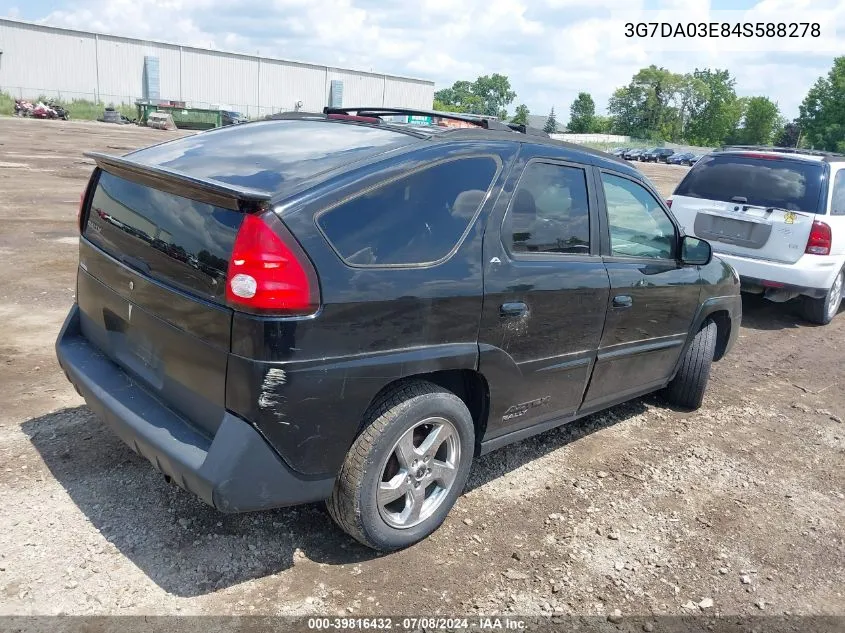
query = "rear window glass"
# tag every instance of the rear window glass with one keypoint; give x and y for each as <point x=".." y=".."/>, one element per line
<point x="182" y="242"/>
<point x="784" y="184"/>
<point x="274" y="156"/>
<point x="416" y="219"/>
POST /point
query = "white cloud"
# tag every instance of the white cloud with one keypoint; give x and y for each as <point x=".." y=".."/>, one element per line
<point x="550" y="49"/>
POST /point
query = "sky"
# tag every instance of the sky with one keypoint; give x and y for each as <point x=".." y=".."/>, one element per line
<point x="549" y="49"/>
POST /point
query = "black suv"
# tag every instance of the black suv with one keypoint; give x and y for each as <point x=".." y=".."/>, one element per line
<point x="334" y="307"/>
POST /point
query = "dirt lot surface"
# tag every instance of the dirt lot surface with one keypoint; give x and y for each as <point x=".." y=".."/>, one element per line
<point x="735" y="509"/>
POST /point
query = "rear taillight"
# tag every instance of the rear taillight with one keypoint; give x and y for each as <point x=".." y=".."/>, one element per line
<point x="669" y="202"/>
<point x="820" y="239"/>
<point x="269" y="273"/>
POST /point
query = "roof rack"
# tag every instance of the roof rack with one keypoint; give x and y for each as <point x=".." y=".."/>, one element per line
<point x="483" y="121"/>
<point x="530" y="131"/>
<point x="293" y="115"/>
<point x="782" y="150"/>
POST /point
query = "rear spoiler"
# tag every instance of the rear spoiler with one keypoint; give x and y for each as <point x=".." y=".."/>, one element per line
<point x="214" y="192"/>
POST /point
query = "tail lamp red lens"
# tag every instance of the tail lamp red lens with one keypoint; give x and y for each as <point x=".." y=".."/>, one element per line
<point x="269" y="273"/>
<point x="669" y="202"/>
<point x="820" y="239"/>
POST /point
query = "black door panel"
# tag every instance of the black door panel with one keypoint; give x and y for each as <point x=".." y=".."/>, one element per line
<point x="545" y="297"/>
<point x="654" y="298"/>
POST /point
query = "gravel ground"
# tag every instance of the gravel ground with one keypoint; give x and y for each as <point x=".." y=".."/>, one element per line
<point x="737" y="508"/>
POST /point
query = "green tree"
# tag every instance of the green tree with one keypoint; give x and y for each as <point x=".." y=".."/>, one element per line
<point x="520" y="117"/>
<point x="759" y="122"/>
<point x="822" y="113"/>
<point x="489" y="95"/>
<point x="551" y="123"/>
<point x="648" y="106"/>
<point x="495" y="94"/>
<point x="715" y="112"/>
<point x="601" y="124"/>
<point x="582" y="112"/>
<point x="789" y="135"/>
<point x="442" y="106"/>
<point x="459" y="98"/>
<point x="626" y="112"/>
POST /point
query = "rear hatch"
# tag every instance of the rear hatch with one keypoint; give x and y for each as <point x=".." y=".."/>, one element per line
<point x="751" y="204"/>
<point x="151" y="289"/>
<point x="159" y="227"/>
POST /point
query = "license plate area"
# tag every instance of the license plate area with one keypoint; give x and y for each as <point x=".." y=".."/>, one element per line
<point x="131" y="347"/>
<point x="718" y="228"/>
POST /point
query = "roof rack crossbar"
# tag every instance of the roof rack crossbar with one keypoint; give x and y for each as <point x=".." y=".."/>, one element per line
<point x="484" y="121"/>
<point x="530" y="131"/>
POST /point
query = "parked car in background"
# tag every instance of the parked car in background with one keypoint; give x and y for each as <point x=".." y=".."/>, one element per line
<point x="777" y="216"/>
<point x="619" y="151"/>
<point x="633" y="154"/>
<point x="656" y="154"/>
<point x="352" y="310"/>
<point x="230" y="117"/>
<point x="663" y="154"/>
<point x="675" y="159"/>
<point x="692" y="160"/>
<point x="645" y="155"/>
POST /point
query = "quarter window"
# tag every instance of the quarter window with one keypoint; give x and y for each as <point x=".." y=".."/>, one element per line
<point x="549" y="211"/>
<point x="639" y="227"/>
<point x="416" y="219"/>
<point x="837" y="198"/>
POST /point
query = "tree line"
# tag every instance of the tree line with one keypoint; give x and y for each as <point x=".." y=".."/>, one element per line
<point x="698" y="108"/>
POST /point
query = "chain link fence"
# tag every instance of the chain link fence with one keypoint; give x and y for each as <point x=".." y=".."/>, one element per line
<point x="610" y="142"/>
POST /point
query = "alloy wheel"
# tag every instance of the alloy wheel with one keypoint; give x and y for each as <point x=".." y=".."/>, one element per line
<point x="419" y="472"/>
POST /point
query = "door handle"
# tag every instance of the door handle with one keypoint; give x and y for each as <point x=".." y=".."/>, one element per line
<point x="515" y="309"/>
<point x="622" y="301"/>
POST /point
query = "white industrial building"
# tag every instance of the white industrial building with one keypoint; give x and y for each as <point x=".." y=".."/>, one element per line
<point x="55" y="62"/>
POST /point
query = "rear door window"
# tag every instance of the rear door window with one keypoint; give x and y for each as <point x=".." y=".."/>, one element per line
<point x="415" y="219"/>
<point x="549" y="212"/>
<point x="793" y="185"/>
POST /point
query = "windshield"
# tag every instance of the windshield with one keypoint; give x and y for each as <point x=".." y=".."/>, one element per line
<point x="765" y="182"/>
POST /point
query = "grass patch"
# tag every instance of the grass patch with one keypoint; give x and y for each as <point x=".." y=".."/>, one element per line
<point x="7" y="104"/>
<point x="84" y="110"/>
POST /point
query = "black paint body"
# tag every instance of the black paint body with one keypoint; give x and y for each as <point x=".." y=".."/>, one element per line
<point x="538" y="339"/>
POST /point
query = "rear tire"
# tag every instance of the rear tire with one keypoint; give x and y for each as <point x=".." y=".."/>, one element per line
<point x="406" y="469"/>
<point x="688" y="386"/>
<point x="822" y="311"/>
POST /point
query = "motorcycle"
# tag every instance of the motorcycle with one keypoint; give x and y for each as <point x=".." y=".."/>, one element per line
<point x="50" y="110"/>
<point x="23" y="108"/>
<point x="60" y="111"/>
<point x="42" y="111"/>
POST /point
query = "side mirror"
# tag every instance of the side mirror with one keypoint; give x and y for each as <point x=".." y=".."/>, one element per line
<point x="695" y="252"/>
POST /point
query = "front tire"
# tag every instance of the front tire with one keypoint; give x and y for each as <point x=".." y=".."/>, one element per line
<point x="822" y="311"/>
<point x="406" y="469"/>
<point x="687" y="388"/>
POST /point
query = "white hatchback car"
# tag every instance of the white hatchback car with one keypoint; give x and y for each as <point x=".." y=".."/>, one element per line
<point x="777" y="216"/>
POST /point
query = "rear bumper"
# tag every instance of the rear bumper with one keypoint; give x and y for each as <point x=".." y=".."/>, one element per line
<point x="236" y="471"/>
<point x="811" y="275"/>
